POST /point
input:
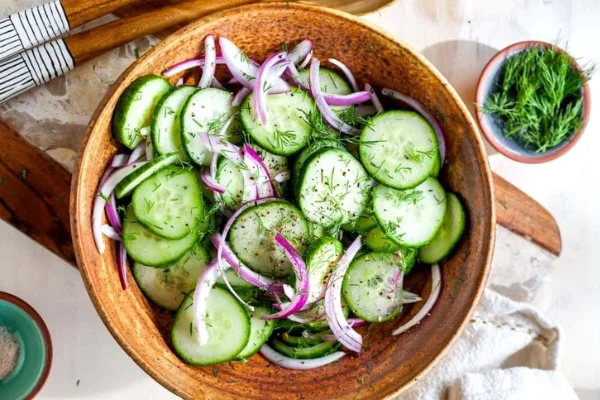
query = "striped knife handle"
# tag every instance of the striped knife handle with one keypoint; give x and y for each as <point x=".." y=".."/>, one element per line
<point x="29" y="28"/>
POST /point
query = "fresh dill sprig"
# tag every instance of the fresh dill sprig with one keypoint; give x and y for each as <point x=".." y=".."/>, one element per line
<point x="539" y="98"/>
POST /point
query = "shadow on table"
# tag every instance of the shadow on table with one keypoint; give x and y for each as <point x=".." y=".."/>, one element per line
<point x="461" y="62"/>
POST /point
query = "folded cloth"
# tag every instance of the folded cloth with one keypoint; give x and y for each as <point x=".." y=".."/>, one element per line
<point x="509" y="350"/>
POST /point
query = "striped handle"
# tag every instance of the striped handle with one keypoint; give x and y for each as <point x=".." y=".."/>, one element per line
<point x="33" y="67"/>
<point x="29" y="28"/>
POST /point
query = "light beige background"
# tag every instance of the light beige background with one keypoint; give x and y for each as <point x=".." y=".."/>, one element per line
<point x="458" y="36"/>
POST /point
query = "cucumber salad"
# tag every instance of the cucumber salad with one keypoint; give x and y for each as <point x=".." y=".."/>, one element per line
<point x="274" y="207"/>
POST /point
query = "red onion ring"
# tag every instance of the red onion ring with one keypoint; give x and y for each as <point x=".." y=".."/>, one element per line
<point x="299" y="266"/>
<point x="122" y="265"/>
<point x="149" y="148"/>
<point x="259" y="94"/>
<point x="340" y="327"/>
<point x="210" y="65"/>
<point x="179" y="82"/>
<point x="112" y="214"/>
<point x="436" y="287"/>
<point x="306" y="60"/>
<point x="328" y="115"/>
<point x="420" y="108"/>
<point x="120" y="160"/>
<point x="187" y="64"/>
<point x="300" y="51"/>
<point x="218" y="144"/>
<point x="265" y="184"/>
<point x="374" y="99"/>
<point x="347" y="99"/>
<point x="205" y="284"/>
<point x="346" y="72"/>
<point x="210" y="183"/>
<point x="110" y="232"/>
<point x="291" y="363"/>
<point x="240" y="96"/>
<point x="105" y="190"/>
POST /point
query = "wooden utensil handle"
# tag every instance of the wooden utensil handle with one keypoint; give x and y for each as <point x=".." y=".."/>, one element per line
<point x="86" y="45"/>
<point x="81" y="11"/>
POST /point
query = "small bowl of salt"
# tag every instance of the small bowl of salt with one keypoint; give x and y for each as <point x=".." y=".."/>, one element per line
<point x="25" y="349"/>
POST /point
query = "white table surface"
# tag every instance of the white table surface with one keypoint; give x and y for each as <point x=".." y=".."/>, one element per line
<point x="458" y="36"/>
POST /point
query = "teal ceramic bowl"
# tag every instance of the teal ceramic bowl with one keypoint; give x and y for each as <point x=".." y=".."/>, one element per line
<point x="35" y="353"/>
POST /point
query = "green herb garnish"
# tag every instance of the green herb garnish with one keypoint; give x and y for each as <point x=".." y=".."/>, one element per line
<point x="539" y="98"/>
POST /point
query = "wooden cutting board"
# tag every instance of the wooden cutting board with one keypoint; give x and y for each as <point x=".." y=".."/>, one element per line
<point x="34" y="198"/>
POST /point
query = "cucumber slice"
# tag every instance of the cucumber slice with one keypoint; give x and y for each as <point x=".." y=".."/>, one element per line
<point x="409" y="258"/>
<point x="287" y="131"/>
<point x="147" y="248"/>
<point x="235" y="280"/>
<point x="230" y="176"/>
<point x="315" y="231"/>
<point x="369" y="287"/>
<point x="228" y="327"/>
<point x="301" y="341"/>
<point x="169" y="203"/>
<point x="437" y="166"/>
<point x="365" y="223"/>
<point x="307" y="153"/>
<point x="131" y="181"/>
<point x="165" y="130"/>
<point x="206" y="111"/>
<point x="303" y="353"/>
<point x="322" y="258"/>
<point x="253" y="232"/>
<point x="411" y="217"/>
<point x="260" y="331"/>
<point x="167" y="286"/>
<point x="333" y="188"/>
<point x="449" y="234"/>
<point x="135" y="107"/>
<point x="377" y="241"/>
<point x="275" y="164"/>
<point x="398" y="148"/>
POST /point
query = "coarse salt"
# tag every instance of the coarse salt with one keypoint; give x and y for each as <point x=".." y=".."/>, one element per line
<point x="9" y="352"/>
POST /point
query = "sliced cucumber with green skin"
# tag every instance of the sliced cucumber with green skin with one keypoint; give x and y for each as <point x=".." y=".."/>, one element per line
<point x="449" y="234"/>
<point x="303" y="353"/>
<point x="147" y="248"/>
<point x="231" y="178"/>
<point x="252" y="236"/>
<point x="411" y="217"/>
<point x="135" y="107"/>
<point x="398" y="148"/>
<point x="371" y="287"/>
<point x="170" y="202"/>
<point x="301" y="341"/>
<point x="131" y="181"/>
<point x="322" y="258"/>
<point x="409" y="258"/>
<point x="167" y="286"/>
<point x="260" y="331"/>
<point x="333" y="188"/>
<point x="235" y="280"/>
<point x="228" y="328"/>
<point x="165" y="129"/>
<point x="305" y="154"/>
<point x="316" y="231"/>
<point x="365" y="223"/>
<point x="206" y="111"/>
<point x="287" y="131"/>
<point x="437" y="166"/>
<point x="376" y="240"/>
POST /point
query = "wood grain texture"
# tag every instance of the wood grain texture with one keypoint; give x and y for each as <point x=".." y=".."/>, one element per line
<point x="81" y="11"/>
<point x="388" y="364"/>
<point x="34" y="194"/>
<point x="522" y="215"/>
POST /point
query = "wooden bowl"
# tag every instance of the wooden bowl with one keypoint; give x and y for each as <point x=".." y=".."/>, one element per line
<point x="389" y="364"/>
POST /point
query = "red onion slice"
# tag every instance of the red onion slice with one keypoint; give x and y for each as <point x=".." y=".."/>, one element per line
<point x="347" y="99"/>
<point x="306" y="60"/>
<point x="346" y="72"/>
<point x="120" y="160"/>
<point x="243" y="271"/>
<point x="220" y="145"/>
<point x="328" y="115"/>
<point x="179" y="82"/>
<point x="210" y="65"/>
<point x="265" y="183"/>
<point x="205" y="284"/>
<point x="243" y="69"/>
<point x="262" y="86"/>
<point x="300" y="51"/>
<point x="291" y="363"/>
<point x="356" y="322"/>
<point x="240" y="96"/>
<point x="110" y="232"/>
<point x="210" y="183"/>
<point x="295" y="75"/>
<point x="216" y="84"/>
<point x="149" y="148"/>
<point x="188" y="64"/>
<point x="420" y="108"/>
<point x="299" y="266"/>
<point x="105" y="190"/>
<point x="112" y="214"/>
<point x="374" y="99"/>
<point x="340" y="327"/>
<point x="436" y="287"/>
<point x="408" y="297"/>
<point x="122" y="265"/>
<point x="140" y="149"/>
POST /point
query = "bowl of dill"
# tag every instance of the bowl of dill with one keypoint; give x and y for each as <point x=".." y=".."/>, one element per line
<point x="533" y="101"/>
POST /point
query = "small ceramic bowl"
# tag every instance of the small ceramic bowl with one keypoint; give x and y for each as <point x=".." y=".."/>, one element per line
<point x="35" y="349"/>
<point x="491" y="126"/>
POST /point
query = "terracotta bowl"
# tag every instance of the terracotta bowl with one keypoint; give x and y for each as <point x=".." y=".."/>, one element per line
<point x="389" y="364"/>
<point x="492" y="126"/>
